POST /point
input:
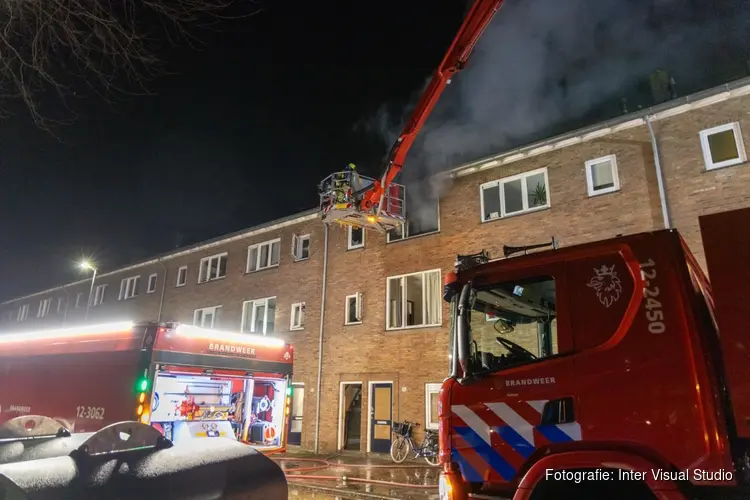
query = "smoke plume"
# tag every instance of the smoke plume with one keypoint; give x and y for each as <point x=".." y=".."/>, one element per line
<point x="546" y="66"/>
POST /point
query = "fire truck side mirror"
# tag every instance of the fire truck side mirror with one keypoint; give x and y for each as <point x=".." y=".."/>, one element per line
<point x="462" y="329"/>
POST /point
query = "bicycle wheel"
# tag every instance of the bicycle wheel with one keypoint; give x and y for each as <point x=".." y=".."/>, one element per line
<point x="399" y="449"/>
<point x="432" y="459"/>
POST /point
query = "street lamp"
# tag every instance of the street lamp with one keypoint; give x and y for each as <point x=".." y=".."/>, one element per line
<point x="87" y="266"/>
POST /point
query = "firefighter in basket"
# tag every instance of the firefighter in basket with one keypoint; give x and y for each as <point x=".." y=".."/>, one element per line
<point x="338" y="189"/>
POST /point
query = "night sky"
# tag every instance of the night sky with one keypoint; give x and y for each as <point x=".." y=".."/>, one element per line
<point x="242" y="131"/>
<point x="239" y="135"/>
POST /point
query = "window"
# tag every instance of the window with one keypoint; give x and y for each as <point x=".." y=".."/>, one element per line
<point x="431" y="392"/>
<point x="181" y="276"/>
<point x="128" y="288"/>
<point x="213" y="268"/>
<point x="514" y="195"/>
<point x="99" y="293"/>
<point x="601" y="175"/>
<point x="353" y="309"/>
<point x="60" y="304"/>
<point x="23" y="313"/>
<point x="722" y="146"/>
<point x="301" y="247"/>
<point x="7" y="316"/>
<point x="422" y="211"/>
<point x="44" y="307"/>
<point x="258" y="316"/>
<point x="79" y="300"/>
<point x="414" y="300"/>
<point x="298" y="316"/>
<point x="263" y="255"/>
<point x="208" y="317"/>
<point x="151" y="283"/>
<point x="355" y="237"/>
<point x="523" y="312"/>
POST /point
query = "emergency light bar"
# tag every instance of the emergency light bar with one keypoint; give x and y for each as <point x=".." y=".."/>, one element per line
<point x="209" y="334"/>
<point x="61" y="333"/>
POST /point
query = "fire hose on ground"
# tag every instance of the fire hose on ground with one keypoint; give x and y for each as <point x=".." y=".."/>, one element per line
<point x="324" y="463"/>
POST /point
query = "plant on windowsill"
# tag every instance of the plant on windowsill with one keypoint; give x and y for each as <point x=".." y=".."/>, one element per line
<point x="539" y="196"/>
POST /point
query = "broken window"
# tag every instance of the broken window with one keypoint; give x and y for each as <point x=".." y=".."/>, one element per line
<point x="422" y="212"/>
<point x="356" y="238"/>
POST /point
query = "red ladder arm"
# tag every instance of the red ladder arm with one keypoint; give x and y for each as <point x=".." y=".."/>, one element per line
<point x="479" y="16"/>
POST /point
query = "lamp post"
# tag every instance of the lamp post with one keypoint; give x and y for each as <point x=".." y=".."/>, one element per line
<point x="86" y="265"/>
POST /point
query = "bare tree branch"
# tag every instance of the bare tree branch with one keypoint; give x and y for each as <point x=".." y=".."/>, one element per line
<point x="55" y="45"/>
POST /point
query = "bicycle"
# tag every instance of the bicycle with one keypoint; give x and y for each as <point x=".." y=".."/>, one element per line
<point x="403" y="442"/>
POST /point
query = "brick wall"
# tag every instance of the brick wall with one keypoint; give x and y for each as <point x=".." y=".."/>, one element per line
<point x="411" y="358"/>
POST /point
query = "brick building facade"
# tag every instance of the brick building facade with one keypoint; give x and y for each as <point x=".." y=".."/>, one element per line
<point x="384" y="324"/>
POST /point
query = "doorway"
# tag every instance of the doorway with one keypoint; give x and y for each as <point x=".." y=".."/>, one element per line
<point x="350" y="416"/>
<point x="297" y="412"/>
<point x="381" y="416"/>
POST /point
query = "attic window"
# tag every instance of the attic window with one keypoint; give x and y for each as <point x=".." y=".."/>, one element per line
<point x="722" y="146"/>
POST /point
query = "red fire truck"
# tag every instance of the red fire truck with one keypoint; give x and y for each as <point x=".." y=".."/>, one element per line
<point x="186" y="381"/>
<point x="605" y="370"/>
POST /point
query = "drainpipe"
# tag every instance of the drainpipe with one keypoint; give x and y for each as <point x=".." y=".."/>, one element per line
<point x="320" y="340"/>
<point x="659" y="175"/>
<point x="163" y="288"/>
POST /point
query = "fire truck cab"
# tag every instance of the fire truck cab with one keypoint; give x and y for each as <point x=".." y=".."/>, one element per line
<point x="187" y="382"/>
<point x="606" y="370"/>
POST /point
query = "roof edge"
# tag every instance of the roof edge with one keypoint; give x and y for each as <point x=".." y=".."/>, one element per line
<point x="203" y="245"/>
<point x="730" y="90"/>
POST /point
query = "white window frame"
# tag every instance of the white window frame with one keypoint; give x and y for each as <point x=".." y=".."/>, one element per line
<point x="128" y="287"/>
<point x="79" y="299"/>
<point x="297" y="247"/>
<point x="155" y="277"/>
<point x="357" y="306"/>
<point x="524" y="195"/>
<point x="212" y="309"/>
<point x="60" y="302"/>
<point x="258" y="247"/>
<point x="23" y="313"/>
<point x="428" y="390"/>
<point x="404" y="299"/>
<point x="742" y="155"/>
<point x="389" y="238"/>
<point x="301" y="325"/>
<point x="99" y="294"/>
<point x="44" y="306"/>
<point x="218" y="257"/>
<point x="179" y="271"/>
<point x="254" y="308"/>
<point x="589" y="165"/>
<point x="349" y="245"/>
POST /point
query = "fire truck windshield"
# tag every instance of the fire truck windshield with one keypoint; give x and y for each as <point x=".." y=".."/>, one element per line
<point x="513" y="323"/>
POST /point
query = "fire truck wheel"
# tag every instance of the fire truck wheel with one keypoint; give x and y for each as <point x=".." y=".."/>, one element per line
<point x="591" y="489"/>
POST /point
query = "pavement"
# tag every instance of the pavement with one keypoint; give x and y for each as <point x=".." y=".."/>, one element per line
<point x="354" y="475"/>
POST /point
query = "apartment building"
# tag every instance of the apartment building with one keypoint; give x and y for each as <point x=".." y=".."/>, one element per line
<point x="384" y="327"/>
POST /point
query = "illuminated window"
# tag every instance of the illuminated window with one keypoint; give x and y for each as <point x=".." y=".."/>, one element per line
<point x="208" y="317"/>
<point x="151" y="283"/>
<point x="297" y="321"/>
<point x="263" y="255"/>
<point x="414" y="300"/>
<point x="128" y="288"/>
<point x="301" y="247"/>
<point x="355" y="238"/>
<point x="213" y="268"/>
<point x="353" y="309"/>
<point x="99" y="293"/>
<point x="44" y="307"/>
<point x="722" y="146"/>
<point x="181" y="276"/>
<point x="431" y="393"/>
<point x="601" y="175"/>
<point x="514" y="195"/>
<point x="259" y="315"/>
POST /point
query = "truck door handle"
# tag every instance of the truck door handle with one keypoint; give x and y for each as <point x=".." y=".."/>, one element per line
<point x="558" y="411"/>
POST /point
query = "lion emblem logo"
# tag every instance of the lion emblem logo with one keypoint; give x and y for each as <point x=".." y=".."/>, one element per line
<point x="607" y="284"/>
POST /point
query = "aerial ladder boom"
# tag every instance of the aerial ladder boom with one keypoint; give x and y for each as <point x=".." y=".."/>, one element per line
<point x="349" y="199"/>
